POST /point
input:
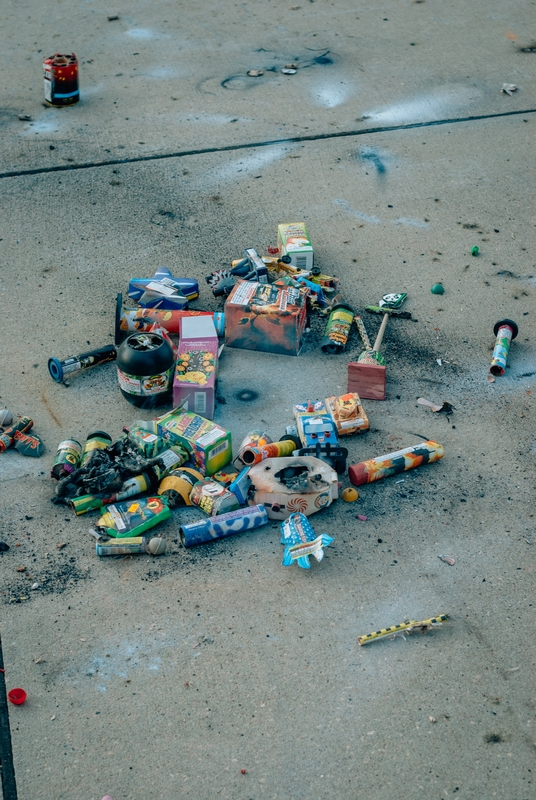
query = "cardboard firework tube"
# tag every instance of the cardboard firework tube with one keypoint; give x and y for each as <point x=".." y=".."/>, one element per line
<point x="505" y="330"/>
<point x="254" y="455"/>
<point x="337" y="328"/>
<point x="61" y="79"/>
<point x="67" y="458"/>
<point x="59" y="370"/>
<point x="8" y="436"/>
<point x="391" y="464"/>
<point x="130" y="488"/>
<point x="128" y="320"/>
<point x="207" y="530"/>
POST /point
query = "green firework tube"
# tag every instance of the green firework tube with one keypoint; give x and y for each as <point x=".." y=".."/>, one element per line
<point x="337" y="329"/>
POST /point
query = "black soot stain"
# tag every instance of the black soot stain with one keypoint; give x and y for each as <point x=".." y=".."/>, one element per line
<point x="246" y="395"/>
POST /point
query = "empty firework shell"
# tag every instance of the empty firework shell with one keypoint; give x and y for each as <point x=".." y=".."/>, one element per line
<point x="254" y="455"/>
<point x="338" y="328"/>
<point x="59" y="370"/>
<point x="61" y="79"/>
<point x="206" y="530"/>
<point x="141" y="319"/>
<point x="67" y="458"/>
<point x="213" y="498"/>
<point x="393" y="463"/>
<point x="98" y="440"/>
<point x="8" y="436"/>
<point x="178" y="485"/>
<point x="505" y="330"/>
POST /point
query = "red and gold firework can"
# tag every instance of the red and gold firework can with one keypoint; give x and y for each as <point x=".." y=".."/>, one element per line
<point x="61" y="79"/>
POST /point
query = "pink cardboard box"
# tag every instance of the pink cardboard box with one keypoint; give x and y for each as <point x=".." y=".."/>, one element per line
<point x="197" y="364"/>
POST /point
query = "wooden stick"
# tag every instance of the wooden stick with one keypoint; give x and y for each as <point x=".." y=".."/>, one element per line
<point x="379" y="337"/>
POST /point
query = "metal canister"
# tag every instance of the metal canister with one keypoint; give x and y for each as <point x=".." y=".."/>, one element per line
<point x="98" y="440"/>
<point x="61" y="79"/>
<point x="67" y="458"/>
<point x="338" y="328"/>
<point x="213" y="498"/>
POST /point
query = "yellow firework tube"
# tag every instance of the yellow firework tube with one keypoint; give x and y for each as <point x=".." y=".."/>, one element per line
<point x="254" y="455"/>
<point x="409" y="623"/>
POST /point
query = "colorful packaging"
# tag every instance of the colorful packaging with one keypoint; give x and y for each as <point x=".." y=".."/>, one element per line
<point x="209" y="444"/>
<point x="256" y="438"/>
<point x="130" y="488"/>
<point x="7" y="437"/>
<point x="240" y="486"/>
<point x="225" y="477"/>
<point x="177" y="486"/>
<point x="254" y="455"/>
<point x="261" y="316"/>
<point x="299" y="483"/>
<point x="300" y="540"/>
<point x="207" y="530"/>
<point x="148" y="444"/>
<point x="338" y="328"/>
<point x="29" y="444"/>
<point x="133" y="517"/>
<point x="141" y="319"/>
<point x="61" y="79"/>
<point x="213" y="498"/>
<point x="67" y="458"/>
<point x="194" y="383"/>
<point x="505" y="331"/>
<point x="187" y="287"/>
<point x="393" y="463"/>
<point x="314" y="424"/>
<point x="347" y="413"/>
<point x="293" y="240"/>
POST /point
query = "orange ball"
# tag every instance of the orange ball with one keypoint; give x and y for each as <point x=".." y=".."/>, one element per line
<point x="350" y="495"/>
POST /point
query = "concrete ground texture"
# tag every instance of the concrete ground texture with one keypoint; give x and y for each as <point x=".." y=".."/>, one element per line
<point x="214" y="671"/>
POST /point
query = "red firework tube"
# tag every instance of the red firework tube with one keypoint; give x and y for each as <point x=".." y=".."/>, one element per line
<point x="128" y="320"/>
<point x="393" y="463"/>
<point x="8" y="436"/>
<point x="61" y="79"/>
<point x="254" y="455"/>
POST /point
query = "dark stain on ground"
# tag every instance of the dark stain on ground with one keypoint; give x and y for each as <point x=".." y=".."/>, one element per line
<point x="49" y="409"/>
<point x="52" y="577"/>
<point x="371" y="156"/>
<point x="246" y="395"/>
<point x="493" y="738"/>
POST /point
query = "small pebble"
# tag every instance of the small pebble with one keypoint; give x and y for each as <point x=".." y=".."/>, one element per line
<point x="35" y="586"/>
<point x="255" y="73"/>
<point x="438" y="288"/>
<point x="432" y="719"/>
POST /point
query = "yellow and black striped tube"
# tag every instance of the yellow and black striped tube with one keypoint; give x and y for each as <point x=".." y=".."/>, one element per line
<point x="409" y="623"/>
